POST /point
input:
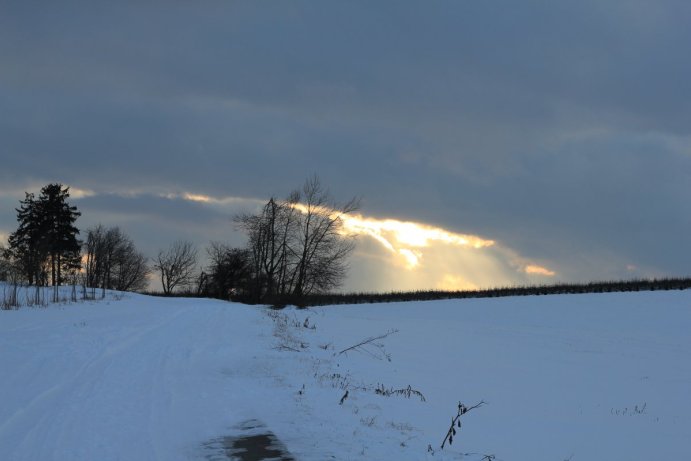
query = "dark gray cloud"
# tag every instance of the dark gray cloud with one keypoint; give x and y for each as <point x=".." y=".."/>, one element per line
<point x="155" y="222"/>
<point x="560" y="130"/>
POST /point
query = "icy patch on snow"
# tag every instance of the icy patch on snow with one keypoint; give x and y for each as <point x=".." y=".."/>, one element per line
<point x="253" y="442"/>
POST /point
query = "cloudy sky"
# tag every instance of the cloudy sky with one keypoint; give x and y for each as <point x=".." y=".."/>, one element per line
<point x="492" y="142"/>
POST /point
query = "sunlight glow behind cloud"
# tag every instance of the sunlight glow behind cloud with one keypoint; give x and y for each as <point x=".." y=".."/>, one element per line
<point x="78" y="193"/>
<point x="413" y="255"/>
<point x="407" y="239"/>
<point x="539" y="270"/>
<point x="207" y="199"/>
<point x="434" y="257"/>
<point x="438" y="258"/>
<point x="452" y="282"/>
<point x="393" y="233"/>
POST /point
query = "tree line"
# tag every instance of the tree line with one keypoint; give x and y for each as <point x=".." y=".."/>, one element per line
<point x="614" y="286"/>
<point x="296" y="247"/>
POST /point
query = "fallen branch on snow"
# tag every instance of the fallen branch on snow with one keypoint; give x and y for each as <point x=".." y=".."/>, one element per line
<point x="361" y="346"/>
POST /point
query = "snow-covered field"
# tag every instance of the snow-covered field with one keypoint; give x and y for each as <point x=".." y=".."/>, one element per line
<point x="581" y="377"/>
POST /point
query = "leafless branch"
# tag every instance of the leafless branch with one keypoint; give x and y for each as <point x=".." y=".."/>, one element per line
<point x="368" y="341"/>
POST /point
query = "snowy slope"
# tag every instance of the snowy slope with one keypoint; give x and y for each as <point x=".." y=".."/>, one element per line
<point x="592" y="377"/>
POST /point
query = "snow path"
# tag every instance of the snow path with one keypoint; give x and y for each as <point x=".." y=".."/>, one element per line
<point x="125" y="380"/>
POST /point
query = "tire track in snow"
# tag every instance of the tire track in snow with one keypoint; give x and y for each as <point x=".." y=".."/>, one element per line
<point x="23" y="423"/>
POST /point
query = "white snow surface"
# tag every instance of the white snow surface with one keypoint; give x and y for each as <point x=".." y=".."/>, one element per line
<point x="576" y="377"/>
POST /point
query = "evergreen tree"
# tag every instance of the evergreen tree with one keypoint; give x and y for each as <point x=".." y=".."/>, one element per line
<point x="46" y="239"/>
<point x="60" y="236"/>
<point x="26" y="246"/>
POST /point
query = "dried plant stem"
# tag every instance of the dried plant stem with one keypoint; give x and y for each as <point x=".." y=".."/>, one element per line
<point x="462" y="409"/>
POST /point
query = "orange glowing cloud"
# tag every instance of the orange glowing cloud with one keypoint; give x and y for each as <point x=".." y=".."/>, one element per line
<point x="534" y="269"/>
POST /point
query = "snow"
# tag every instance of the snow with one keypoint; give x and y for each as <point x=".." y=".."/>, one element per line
<point x="591" y="377"/>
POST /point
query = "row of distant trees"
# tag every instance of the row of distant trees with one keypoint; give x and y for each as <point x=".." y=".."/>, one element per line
<point x="295" y="247"/>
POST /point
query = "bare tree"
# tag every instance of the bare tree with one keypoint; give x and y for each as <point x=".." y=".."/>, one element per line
<point x="176" y="265"/>
<point x="271" y="235"/>
<point x="92" y="256"/>
<point x="322" y="246"/>
<point x="298" y="245"/>
<point x="112" y="261"/>
<point x="131" y="270"/>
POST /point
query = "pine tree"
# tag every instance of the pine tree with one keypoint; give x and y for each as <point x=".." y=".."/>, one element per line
<point x="25" y="243"/>
<point x="60" y="236"/>
<point x="46" y="238"/>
